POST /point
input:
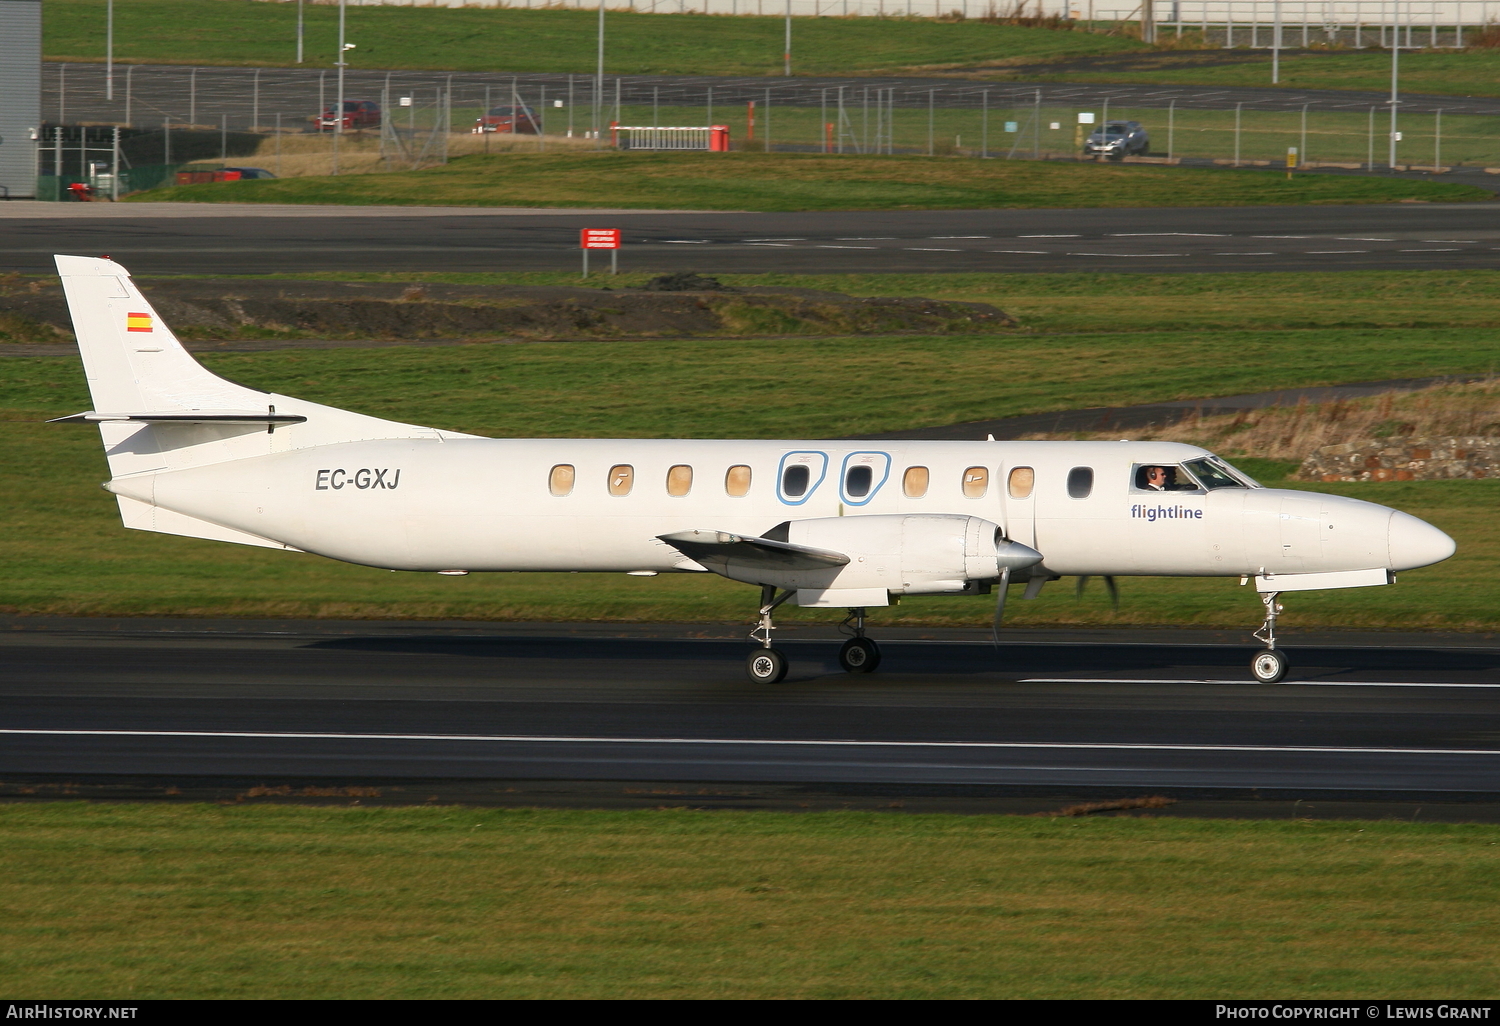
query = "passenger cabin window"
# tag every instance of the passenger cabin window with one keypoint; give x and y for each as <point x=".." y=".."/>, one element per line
<point x="560" y="481"/>
<point x="794" y="479"/>
<point x="1080" y="482"/>
<point x="621" y="477"/>
<point x="976" y="482"/>
<point x="857" y="481"/>
<point x="1021" y="481"/>
<point x="737" y="481"/>
<point x="914" y="482"/>
<point x="679" y="480"/>
<point x="1161" y="477"/>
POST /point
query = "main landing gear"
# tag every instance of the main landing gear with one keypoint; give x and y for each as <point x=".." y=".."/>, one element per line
<point x="1269" y="666"/>
<point x="768" y="665"/>
<point x="859" y="654"/>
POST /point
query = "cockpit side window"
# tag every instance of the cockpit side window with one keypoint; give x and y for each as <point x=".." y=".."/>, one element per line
<point x="1161" y="477"/>
<point x="1212" y="474"/>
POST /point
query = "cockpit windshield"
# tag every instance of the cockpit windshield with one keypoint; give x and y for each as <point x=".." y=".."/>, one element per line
<point x="1213" y="472"/>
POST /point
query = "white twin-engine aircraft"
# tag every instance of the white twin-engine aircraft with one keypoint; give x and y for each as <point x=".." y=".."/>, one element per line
<point x="833" y="524"/>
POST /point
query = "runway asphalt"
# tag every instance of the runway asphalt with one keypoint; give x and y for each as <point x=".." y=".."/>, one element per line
<point x="289" y="240"/>
<point x="1389" y="717"/>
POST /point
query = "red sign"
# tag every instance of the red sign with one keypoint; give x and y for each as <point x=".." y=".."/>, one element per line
<point x="599" y="238"/>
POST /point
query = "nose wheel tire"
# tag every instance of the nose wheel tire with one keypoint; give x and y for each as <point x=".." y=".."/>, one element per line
<point x="766" y="666"/>
<point x="859" y="655"/>
<point x="1269" y="667"/>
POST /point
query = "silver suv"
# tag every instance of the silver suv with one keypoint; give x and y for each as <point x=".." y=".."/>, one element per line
<point x="1118" y="139"/>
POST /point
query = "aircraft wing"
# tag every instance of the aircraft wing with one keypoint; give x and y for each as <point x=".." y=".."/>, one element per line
<point x="717" y="549"/>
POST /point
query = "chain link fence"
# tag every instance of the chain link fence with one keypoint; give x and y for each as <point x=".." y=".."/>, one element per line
<point x="283" y="121"/>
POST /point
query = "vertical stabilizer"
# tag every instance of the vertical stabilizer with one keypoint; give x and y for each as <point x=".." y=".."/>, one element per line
<point x="133" y="362"/>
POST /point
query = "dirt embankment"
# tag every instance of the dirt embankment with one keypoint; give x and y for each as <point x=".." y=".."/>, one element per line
<point x="33" y="310"/>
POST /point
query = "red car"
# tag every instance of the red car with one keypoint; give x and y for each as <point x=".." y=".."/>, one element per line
<point x="357" y="114"/>
<point x="519" y="120"/>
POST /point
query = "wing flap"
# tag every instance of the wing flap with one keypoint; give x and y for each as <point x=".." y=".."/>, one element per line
<point x="718" y="549"/>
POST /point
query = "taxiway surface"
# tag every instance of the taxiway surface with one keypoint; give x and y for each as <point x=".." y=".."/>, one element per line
<point x="1375" y="715"/>
<point x="283" y="240"/>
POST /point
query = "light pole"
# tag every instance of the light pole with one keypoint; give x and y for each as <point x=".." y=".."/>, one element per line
<point x="599" y="82"/>
<point x="787" y="52"/>
<point x="1395" y="66"/>
<point x="338" y="112"/>
<point x="1276" y="47"/>
<point x="299" y="31"/>
<point x="109" y="50"/>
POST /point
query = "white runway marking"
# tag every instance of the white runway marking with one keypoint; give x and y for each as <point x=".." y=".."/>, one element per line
<point x="762" y="742"/>
<point x="1128" y="254"/>
<point x="846" y="247"/>
<point x="1142" y="235"/>
<point x="1320" y="252"/>
<point x="1266" y="253"/>
<point x="1049" y="236"/>
<point x="1028" y="252"/>
<point x="1298" y="683"/>
<point x="1451" y="249"/>
<point x="929" y="249"/>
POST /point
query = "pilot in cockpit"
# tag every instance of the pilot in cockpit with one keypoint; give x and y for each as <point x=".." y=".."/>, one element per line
<point x="1157" y="479"/>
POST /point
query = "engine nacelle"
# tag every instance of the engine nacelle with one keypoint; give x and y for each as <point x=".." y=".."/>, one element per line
<point x="900" y="554"/>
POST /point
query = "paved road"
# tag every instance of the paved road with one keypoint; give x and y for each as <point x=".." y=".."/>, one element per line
<point x="1390" y="237"/>
<point x="1364" y="715"/>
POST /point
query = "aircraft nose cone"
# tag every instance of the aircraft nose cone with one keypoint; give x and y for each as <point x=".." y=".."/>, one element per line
<point x="1016" y="556"/>
<point x="1415" y="543"/>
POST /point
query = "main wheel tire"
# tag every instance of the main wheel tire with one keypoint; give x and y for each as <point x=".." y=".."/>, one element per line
<point x="859" y="655"/>
<point x="766" y="666"/>
<point x="1269" y="667"/>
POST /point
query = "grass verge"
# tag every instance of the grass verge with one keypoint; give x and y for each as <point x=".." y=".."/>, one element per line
<point x="66" y="553"/>
<point x="134" y="901"/>
<point x="782" y="182"/>
<point x="244" y="32"/>
<point x="1472" y="72"/>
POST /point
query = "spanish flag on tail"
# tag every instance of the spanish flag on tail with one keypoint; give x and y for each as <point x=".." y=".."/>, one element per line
<point x="137" y="322"/>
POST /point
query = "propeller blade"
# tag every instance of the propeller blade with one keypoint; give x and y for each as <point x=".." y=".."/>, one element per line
<point x="1114" y="593"/>
<point x="1000" y="605"/>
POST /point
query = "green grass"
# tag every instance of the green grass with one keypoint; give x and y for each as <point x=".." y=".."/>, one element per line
<point x="245" y="32"/>
<point x="138" y="902"/>
<point x="67" y="554"/>
<point x="772" y="182"/>
<point x="1474" y="72"/>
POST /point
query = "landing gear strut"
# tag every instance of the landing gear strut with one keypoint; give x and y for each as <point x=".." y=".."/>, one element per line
<point x="859" y="654"/>
<point x="1269" y="666"/>
<point x="767" y="665"/>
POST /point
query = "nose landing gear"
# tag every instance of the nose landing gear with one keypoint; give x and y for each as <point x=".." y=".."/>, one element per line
<point x="859" y="654"/>
<point x="1269" y="666"/>
<point x="767" y="665"/>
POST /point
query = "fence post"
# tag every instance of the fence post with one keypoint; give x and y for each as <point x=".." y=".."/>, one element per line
<point x="255" y="102"/>
<point x="823" y="118"/>
<point x="984" y="124"/>
<point x="931" y="100"/>
<point x="114" y="174"/>
<point x="1437" y="142"/>
<point x="841" y="120"/>
<point x="193" y="97"/>
<point x="278" y="145"/>
<point x="1302" y="152"/>
<point x="1370" y="157"/>
<point x="128" y="69"/>
<point x="1171" y="128"/>
<point x="1237" y="108"/>
<point x="1036" y="136"/>
<point x="166" y="140"/>
<point x="768" y="112"/>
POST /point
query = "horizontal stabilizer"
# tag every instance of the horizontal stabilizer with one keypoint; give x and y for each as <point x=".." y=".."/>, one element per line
<point x="183" y="417"/>
<point x="718" y="549"/>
